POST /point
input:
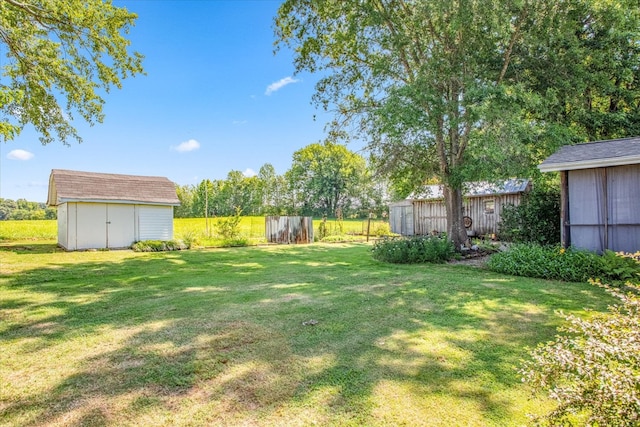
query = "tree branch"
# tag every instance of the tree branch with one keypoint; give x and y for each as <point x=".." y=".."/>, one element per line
<point x="514" y="37"/>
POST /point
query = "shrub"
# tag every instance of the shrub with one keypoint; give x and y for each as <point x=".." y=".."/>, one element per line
<point x="635" y="255"/>
<point x="570" y="265"/>
<point x="535" y="220"/>
<point x="547" y="262"/>
<point x="620" y="266"/>
<point x="229" y="227"/>
<point x="409" y="250"/>
<point x="157" y="246"/>
<point x="593" y="370"/>
<point x="382" y="229"/>
<point x="190" y="238"/>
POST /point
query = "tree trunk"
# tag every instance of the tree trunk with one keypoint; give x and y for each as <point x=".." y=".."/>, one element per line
<point x="455" y="224"/>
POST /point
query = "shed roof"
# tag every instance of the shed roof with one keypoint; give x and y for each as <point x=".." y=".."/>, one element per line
<point x="598" y="154"/>
<point x="75" y="186"/>
<point x="475" y="189"/>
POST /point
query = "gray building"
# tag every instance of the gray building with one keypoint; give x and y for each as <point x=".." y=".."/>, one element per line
<point x="425" y="212"/>
<point x="600" y="191"/>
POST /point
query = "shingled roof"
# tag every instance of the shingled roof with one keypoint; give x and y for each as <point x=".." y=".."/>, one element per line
<point x="75" y="186"/>
<point x="616" y="152"/>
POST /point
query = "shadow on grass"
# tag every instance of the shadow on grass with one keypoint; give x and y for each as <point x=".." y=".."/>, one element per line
<point x="223" y="336"/>
<point x="27" y="247"/>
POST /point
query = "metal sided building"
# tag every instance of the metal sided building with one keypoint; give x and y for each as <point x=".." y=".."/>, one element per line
<point x="600" y="194"/>
<point x="425" y="213"/>
<point x="101" y="211"/>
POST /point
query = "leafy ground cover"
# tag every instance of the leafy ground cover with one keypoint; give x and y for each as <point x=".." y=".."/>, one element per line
<point x="278" y="335"/>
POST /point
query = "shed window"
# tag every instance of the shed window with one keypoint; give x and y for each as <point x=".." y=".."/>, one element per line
<point x="489" y="206"/>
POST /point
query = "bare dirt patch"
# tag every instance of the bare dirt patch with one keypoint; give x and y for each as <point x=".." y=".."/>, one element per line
<point x="473" y="260"/>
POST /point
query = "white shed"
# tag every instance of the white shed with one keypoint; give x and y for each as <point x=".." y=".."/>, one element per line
<point x="99" y="210"/>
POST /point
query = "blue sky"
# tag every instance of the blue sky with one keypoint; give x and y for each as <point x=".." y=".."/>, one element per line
<point x="215" y="99"/>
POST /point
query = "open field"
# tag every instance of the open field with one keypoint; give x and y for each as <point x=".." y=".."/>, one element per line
<point x="251" y="227"/>
<point x="267" y="336"/>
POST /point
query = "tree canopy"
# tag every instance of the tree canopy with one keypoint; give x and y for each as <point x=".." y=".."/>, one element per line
<point x="60" y="57"/>
<point x="452" y="90"/>
<point x="325" y="177"/>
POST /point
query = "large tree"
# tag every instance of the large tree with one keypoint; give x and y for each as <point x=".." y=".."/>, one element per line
<point x="435" y="86"/>
<point x="586" y="69"/>
<point x="325" y="177"/>
<point x="60" y="56"/>
<point x="273" y="189"/>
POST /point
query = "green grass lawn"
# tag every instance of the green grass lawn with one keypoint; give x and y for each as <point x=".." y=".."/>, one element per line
<point x="226" y="337"/>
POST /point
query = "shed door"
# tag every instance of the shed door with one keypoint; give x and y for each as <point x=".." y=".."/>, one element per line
<point x="91" y="226"/>
<point x="120" y="226"/>
<point x="401" y="219"/>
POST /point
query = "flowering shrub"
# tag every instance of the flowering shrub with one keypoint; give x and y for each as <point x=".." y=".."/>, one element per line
<point x="411" y="250"/>
<point x="593" y="371"/>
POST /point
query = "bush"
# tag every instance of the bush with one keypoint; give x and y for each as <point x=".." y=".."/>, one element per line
<point x="570" y="265"/>
<point x="382" y="229"/>
<point x="190" y="238"/>
<point x="157" y="246"/>
<point x="593" y="371"/>
<point x="547" y="262"/>
<point x="410" y="250"/>
<point x="535" y="220"/>
<point x="620" y="266"/>
<point x="229" y="228"/>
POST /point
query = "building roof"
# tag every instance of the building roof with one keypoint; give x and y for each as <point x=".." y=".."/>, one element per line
<point x="475" y="189"/>
<point x="598" y="154"/>
<point x="75" y="186"/>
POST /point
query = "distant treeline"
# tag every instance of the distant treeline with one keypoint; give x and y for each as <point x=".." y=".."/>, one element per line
<point x="23" y="209"/>
<point x="271" y="194"/>
<point x="324" y="180"/>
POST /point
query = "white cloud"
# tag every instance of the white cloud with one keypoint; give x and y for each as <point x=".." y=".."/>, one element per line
<point x="273" y="87"/>
<point x="19" y="155"/>
<point x="249" y="173"/>
<point x="190" y="145"/>
<point x="239" y="122"/>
